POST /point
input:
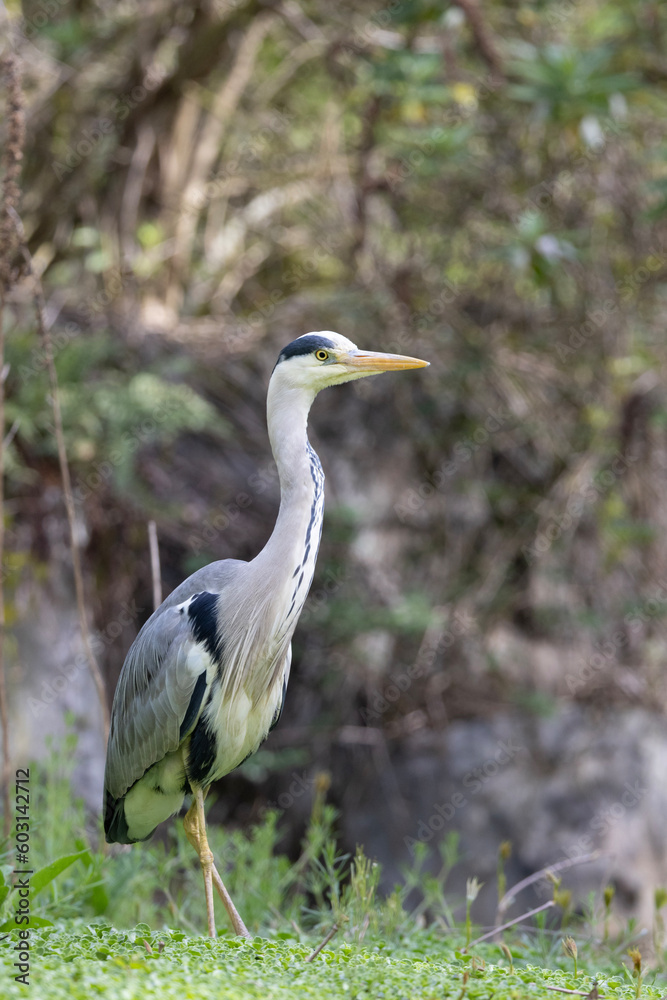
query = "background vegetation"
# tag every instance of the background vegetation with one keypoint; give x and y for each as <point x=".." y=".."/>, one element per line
<point x="481" y="185"/>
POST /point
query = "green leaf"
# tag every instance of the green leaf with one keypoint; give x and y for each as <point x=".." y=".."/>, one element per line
<point x="45" y="875"/>
<point x="86" y="856"/>
<point x="11" y="925"/>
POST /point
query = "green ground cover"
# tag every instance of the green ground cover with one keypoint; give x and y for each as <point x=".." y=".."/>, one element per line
<point x="79" y="961"/>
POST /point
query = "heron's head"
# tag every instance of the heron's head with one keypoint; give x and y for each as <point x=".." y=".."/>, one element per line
<point x="317" y="360"/>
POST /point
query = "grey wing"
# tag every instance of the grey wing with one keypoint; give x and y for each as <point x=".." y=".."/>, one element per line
<point x="160" y="690"/>
<point x="161" y="674"/>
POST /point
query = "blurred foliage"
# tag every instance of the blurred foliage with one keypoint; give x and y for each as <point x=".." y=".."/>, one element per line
<point x="206" y="181"/>
<point x="109" y="412"/>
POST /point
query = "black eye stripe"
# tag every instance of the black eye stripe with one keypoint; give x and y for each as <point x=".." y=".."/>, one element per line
<point x="305" y="345"/>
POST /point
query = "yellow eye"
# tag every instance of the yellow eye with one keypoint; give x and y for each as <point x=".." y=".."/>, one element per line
<point x="321" y="355"/>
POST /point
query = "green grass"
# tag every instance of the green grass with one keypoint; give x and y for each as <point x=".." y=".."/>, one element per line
<point x="85" y="901"/>
<point x="84" y="961"/>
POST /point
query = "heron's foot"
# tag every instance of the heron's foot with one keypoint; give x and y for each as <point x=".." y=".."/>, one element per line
<point x="194" y="825"/>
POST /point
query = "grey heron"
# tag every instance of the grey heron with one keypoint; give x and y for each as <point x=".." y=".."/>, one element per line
<point x="204" y="682"/>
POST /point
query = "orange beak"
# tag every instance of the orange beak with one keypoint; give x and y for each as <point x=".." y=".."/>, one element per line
<point x="371" y="361"/>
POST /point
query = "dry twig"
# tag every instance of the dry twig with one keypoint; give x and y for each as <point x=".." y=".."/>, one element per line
<point x="591" y="995"/>
<point x="561" y="866"/>
<point x="510" y="923"/>
<point x="155" y="564"/>
<point x="331" y="933"/>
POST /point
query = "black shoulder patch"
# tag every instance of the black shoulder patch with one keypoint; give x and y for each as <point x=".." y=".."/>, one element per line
<point x="193" y="707"/>
<point x="305" y="345"/>
<point x="201" y="754"/>
<point x="204" y="621"/>
<point x="279" y="710"/>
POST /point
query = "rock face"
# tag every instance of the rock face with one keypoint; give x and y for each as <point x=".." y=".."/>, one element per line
<point x="52" y="693"/>
<point x="560" y="788"/>
<point x="56" y="694"/>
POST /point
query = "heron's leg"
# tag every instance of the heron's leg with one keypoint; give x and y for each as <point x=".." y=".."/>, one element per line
<point x="196" y="834"/>
<point x="234" y="915"/>
<point x="195" y="828"/>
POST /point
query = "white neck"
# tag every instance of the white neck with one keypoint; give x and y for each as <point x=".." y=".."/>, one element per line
<point x="287" y="417"/>
<point x="276" y="582"/>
